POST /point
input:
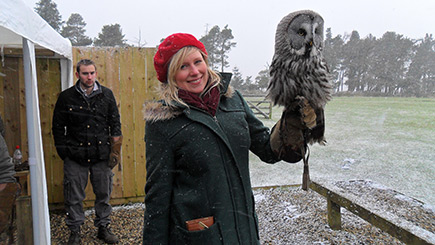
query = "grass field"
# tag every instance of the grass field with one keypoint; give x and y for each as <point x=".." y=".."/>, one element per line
<point x="387" y="140"/>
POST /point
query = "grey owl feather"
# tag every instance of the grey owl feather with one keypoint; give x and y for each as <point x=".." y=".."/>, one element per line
<point x="298" y="67"/>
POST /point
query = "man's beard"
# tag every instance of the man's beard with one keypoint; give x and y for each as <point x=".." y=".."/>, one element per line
<point x="86" y="86"/>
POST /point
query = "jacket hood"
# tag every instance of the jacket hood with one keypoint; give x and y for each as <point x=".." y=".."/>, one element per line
<point x="158" y="110"/>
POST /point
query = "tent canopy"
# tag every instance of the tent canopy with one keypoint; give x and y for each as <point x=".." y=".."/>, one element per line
<point x="18" y="21"/>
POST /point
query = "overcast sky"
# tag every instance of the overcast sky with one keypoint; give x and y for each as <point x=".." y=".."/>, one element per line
<point x="253" y="22"/>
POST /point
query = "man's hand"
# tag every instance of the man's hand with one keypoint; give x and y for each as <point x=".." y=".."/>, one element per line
<point x="115" y="153"/>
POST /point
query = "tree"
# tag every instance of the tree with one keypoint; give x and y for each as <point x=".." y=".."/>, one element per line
<point x="225" y="46"/>
<point x="210" y="41"/>
<point x="218" y="44"/>
<point x="237" y="79"/>
<point x="421" y="72"/>
<point x="393" y="51"/>
<point x="263" y="78"/>
<point x="333" y="55"/>
<point x="47" y="9"/>
<point x="74" y="30"/>
<point x="250" y="86"/>
<point x="352" y="61"/>
<point x="110" y="35"/>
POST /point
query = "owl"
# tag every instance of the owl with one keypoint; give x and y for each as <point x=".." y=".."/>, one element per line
<point x="299" y="75"/>
<point x="298" y="68"/>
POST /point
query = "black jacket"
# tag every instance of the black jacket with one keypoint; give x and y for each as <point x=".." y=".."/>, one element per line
<point x="82" y="126"/>
<point x="197" y="166"/>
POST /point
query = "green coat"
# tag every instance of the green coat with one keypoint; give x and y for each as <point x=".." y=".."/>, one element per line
<point x="197" y="166"/>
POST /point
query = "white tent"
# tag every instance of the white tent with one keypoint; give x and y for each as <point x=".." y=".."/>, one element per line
<point x="21" y="27"/>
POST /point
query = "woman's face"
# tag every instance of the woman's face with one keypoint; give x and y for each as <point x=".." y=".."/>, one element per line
<point x="192" y="76"/>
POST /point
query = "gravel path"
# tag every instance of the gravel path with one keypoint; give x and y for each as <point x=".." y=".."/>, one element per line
<point x="287" y="215"/>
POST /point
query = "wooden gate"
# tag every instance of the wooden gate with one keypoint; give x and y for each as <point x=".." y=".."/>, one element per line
<point x="259" y="104"/>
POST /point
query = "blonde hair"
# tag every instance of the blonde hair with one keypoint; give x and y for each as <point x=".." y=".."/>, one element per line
<point x="169" y="90"/>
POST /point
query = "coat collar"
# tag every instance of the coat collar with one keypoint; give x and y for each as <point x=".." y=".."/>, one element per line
<point x="94" y="92"/>
<point x="158" y="111"/>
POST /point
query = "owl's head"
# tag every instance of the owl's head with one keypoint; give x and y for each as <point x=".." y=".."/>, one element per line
<point x="300" y="33"/>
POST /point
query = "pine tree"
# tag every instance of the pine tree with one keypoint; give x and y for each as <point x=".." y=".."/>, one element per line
<point x="74" y="30"/>
<point x="226" y="37"/>
<point x="218" y="44"/>
<point x="237" y="79"/>
<point x="263" y="78"/>
<point x="110" y="35"/>
<point x="47" y="9"/>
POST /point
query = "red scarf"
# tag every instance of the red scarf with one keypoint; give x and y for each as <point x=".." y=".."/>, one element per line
<point x="208" y="102"/>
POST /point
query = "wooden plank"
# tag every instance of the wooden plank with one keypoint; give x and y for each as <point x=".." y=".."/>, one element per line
<point x="99" y="57"/>
<point x="113" y="82"/>
<point x="54" y="160"/>
<point x="23" y="116"/>
<point x="42" y="67"/>
<point x="11" y="116"/>
<point x="257" y="109"/>
<point x="127" y="119"/>
<point x="54" y="163"/>
<point x="405" y="231"/>
<point x="334" y="215"/>
<point x="139" y="85"/>
<point x="151" y="81"/>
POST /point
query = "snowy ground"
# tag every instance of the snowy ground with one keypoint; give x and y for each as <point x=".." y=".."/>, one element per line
<point x="387" y="140"/>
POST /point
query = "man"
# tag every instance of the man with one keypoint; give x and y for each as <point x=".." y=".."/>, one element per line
<point x="87" y="136"/>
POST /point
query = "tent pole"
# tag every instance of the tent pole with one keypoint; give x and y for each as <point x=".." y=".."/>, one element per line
<point x="38" y="184"/>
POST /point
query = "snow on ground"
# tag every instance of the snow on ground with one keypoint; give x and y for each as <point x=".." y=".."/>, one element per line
<point x="387" y="140"/>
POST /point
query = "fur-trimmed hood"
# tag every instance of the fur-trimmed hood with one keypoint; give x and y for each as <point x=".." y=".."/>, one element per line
<point x="158" y="110"/>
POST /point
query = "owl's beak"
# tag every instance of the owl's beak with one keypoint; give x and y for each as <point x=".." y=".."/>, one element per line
<point x="308" y="48"/>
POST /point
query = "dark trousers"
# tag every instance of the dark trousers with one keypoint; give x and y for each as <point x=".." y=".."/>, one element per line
<point x="75" y="182"/>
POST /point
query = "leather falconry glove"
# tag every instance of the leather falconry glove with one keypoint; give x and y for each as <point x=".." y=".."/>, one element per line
<point x="115" y="153"/>
<point x="288" y="133"/>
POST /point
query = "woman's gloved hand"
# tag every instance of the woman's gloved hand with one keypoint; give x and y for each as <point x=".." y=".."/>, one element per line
<point x="287" y="135"/>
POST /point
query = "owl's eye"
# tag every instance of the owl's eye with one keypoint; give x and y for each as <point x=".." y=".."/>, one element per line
<point x="302" y="32"/>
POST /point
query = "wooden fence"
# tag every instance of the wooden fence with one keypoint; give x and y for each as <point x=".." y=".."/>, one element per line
<point x="129" y="72"/>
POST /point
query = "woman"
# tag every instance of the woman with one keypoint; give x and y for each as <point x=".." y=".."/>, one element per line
<point x="198" y="137"/>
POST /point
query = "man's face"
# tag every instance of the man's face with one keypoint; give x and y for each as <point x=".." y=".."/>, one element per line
<point x="87" y="76"/>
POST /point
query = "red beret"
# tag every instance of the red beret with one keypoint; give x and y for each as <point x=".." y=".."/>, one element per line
<point x="169" y="47"/>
